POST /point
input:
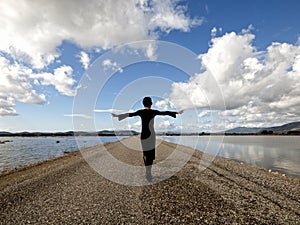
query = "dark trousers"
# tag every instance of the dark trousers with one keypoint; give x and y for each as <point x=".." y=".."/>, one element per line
<point x="148" y="146"/>
<point x="149" y="157"/>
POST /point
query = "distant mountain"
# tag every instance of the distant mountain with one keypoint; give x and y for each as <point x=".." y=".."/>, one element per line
<point x="286" y="129"/>
<point x="71" y="133"/>
<point x="4" y="133"/>
<point x="244" y="130"/>
<point x="117" y="132"/>
<point x="125" y="132"/>
<point x="295" y="126"/>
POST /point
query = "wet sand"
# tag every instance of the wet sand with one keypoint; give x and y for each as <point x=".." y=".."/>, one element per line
<point x="67" y="190"/>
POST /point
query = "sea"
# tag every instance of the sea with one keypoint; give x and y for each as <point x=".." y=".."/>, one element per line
<point x="276" y="153"/>
<point x="16" y="152"/>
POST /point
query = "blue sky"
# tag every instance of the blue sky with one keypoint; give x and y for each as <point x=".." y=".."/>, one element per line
<point x="249" y="48"/>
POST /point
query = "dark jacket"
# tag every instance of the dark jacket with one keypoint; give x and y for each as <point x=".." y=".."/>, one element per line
<point x="148" y="133"/>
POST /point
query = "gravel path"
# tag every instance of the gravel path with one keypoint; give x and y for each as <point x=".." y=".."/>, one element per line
<point x="67" y="191"/>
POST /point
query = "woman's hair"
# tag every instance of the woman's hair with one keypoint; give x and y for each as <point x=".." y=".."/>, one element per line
<point x="147" y="102"/>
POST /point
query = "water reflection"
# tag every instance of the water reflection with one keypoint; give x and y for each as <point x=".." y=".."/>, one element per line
<point x="278" y="153"/>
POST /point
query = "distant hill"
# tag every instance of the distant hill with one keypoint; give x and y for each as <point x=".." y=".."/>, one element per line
<point x="117" y="132"/>
<point x="71" y="133"/>
<point x="288" y="128"/>
<point x="3" y="133"/>
<point x="244" y="130"/>
<point x="295" y="126"/>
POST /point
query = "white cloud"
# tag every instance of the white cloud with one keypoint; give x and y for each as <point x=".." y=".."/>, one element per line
<point x="16" y="84"/>
<point x="204" y="113"/>
<point x="31" y="31"/>
<point x="107" y="110"/>
<point x="137" y="124"/>
<point x="213" y="32"/>
<point x="164" y="125"/>
<point x="163" y="104"/>
<point x="6" y="106"/>
<point x="167" y="17"/>
<point x="84" y="59"/>
<point x="61" y="79"/>
<point x="258" y="87"/>
<point x="113" y="66"/>
<point x="78" y="115"/>
<point x="206" y="8"/>
<point x="150" y="51"/>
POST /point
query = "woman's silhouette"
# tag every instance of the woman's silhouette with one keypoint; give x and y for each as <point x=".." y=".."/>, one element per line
<point x="148" y="134"/>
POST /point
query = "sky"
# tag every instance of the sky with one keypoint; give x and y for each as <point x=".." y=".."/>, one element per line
<point x="246" y="56"/>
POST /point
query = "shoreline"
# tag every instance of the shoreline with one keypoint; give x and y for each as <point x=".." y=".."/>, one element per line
<point x="74" y="152"/>
<point x="158" y="134"/>
<point x="7" y="171"/>
<point x="17" y="169"/>
<point x="66" y="190"/>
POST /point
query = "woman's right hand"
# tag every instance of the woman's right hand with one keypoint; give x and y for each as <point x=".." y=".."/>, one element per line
<point x="180" y="111"/>
<point x="114" y="115"/>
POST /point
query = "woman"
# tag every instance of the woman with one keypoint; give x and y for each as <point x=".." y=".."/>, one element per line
<point x="148" y="134"/>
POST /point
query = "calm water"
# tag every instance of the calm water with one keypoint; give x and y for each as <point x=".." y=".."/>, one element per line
<point x="278" y="153"/>
<point x="25" y="150"/>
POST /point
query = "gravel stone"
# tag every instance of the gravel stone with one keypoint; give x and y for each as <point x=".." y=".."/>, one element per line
<point x="67" y="190"/>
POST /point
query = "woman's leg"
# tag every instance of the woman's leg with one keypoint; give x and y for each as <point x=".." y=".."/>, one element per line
<point x="148" y="146"/>
<point x="148" y="161"/>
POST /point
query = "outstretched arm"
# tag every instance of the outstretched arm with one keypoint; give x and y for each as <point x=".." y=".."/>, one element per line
<point x="170" y="113"/>
<point x="125" y="115"/>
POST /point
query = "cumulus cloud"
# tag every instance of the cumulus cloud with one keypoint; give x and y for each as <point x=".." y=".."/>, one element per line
<point x="14" y="82"/>
<point x="112" y="66"/>
<point x="168" y="16"/>
<point x="61" y="79"/>
<point x="165" y="125"/>
<point x="15" y="85"/>
<point x="19" y="83"/>
<point x="32" y="30"/>
<point x="163" y="104"/>
<point x="84" y="59"/>
<point x="6" y="106"/>
<point x="258" y="87"/>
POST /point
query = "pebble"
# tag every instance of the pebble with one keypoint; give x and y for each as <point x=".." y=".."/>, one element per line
<point x="68" y="191"/>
